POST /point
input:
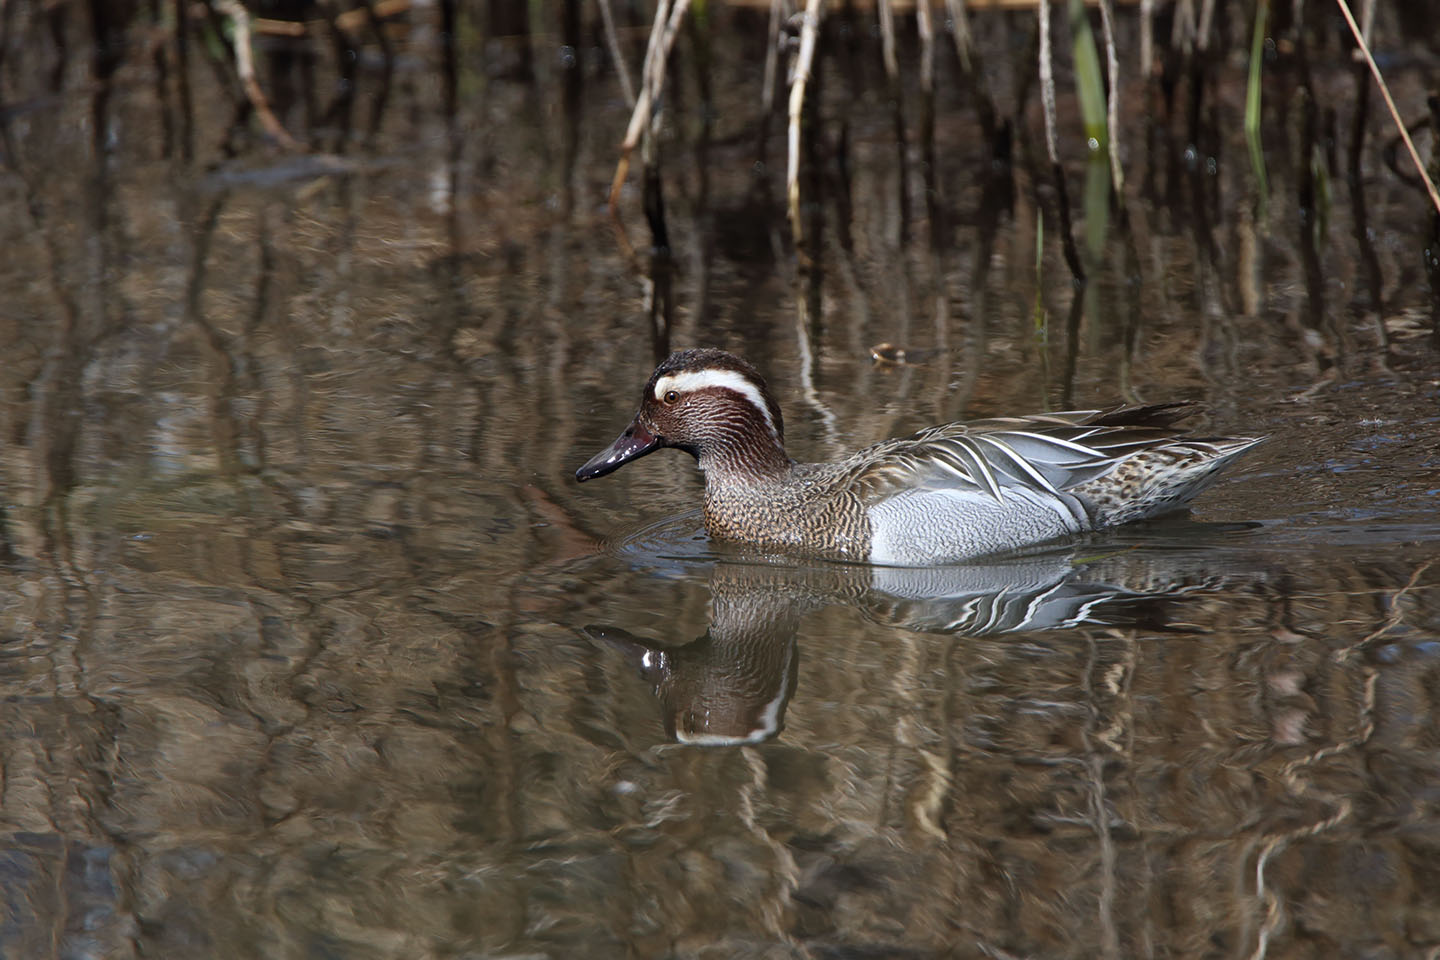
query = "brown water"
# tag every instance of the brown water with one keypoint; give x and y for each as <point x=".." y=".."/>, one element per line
<point x="310" y="646"/>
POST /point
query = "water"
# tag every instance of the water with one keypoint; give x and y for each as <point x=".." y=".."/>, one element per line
<point x="310" y="646"/>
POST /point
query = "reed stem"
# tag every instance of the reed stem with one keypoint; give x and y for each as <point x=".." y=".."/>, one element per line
<point x="1390" y="103"/>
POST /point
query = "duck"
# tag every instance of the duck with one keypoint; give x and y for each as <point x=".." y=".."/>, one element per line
<point x="949" y="493"/>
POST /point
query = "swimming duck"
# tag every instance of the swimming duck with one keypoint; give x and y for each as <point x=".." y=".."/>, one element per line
<point x="948" y="493"/>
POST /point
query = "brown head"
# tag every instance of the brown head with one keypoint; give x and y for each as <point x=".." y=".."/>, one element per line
<point x="709" y="403"/>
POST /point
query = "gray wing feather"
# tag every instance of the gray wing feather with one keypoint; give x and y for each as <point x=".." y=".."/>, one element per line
<point x="1050" y="452"/>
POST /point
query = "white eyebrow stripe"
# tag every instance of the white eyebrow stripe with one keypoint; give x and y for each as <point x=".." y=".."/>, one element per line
<point x="728" y="379"/>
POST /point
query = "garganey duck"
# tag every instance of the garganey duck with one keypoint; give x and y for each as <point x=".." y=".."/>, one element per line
<point x="950" y="492"/>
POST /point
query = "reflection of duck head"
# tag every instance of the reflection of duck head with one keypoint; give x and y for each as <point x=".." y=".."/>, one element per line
<point x="718" y="690"/>
<point x="731" y="685"/>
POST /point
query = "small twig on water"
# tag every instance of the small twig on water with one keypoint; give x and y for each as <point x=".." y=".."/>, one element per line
<point x="1390" y="103"/>
<point x="245" y="66"/>
<point x="809" y="33"/>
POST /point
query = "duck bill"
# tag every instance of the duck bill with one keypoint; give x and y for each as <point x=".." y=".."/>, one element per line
<point x="633" y="444"/>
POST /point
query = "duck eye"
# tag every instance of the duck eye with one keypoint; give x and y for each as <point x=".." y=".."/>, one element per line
<point x="672" y="397"/>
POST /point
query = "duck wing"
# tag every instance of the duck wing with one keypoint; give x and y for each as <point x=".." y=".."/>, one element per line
<point x="1047" y="453"/>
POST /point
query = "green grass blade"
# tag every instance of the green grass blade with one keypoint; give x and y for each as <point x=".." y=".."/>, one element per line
<point x="1089" y="84"/>
<point x="1252" y="100"/>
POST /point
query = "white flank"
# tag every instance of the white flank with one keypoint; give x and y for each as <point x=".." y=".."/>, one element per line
<point x="728" y="379"/>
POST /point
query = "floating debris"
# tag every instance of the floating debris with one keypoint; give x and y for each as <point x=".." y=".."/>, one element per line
<point x="888" y="354"/>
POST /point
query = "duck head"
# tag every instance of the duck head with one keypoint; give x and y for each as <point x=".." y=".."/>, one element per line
<point x="708" y="403"/>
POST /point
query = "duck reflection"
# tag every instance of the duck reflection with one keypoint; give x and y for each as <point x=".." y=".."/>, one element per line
<point x="731" y="685"/>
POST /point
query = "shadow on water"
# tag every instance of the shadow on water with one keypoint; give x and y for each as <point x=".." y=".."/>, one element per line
<point x="310" y="646"/>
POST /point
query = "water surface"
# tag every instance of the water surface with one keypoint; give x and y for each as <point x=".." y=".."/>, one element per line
<point x="310" y="645"/>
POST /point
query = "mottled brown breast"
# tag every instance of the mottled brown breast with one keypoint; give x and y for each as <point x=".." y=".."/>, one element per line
<point x="803" y="514"/>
